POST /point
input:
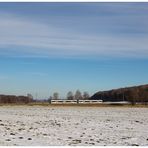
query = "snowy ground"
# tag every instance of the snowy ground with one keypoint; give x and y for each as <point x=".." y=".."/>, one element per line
<point x="36" y="125"/>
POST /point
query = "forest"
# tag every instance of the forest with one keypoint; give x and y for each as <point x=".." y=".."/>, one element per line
<point x="15" y="99"/>
<point x="131" y="94"/>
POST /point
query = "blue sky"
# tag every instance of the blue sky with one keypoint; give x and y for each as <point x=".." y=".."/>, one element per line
<point x="48" y="47"/>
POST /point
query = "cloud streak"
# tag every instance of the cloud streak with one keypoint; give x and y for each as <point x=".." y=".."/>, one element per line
<point x="31" y="38"/>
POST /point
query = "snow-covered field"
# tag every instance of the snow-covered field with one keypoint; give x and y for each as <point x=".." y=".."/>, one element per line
<point x="39" y="125"/>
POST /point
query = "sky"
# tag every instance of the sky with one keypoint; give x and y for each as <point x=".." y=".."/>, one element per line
<point x="60" y="47"/>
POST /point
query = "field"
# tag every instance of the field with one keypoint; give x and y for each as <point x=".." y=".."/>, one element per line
<point x="73" y="125"/>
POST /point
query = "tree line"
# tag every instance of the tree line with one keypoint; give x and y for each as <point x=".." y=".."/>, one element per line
<point x="71" y="96"/>
<point x="16" y="99"/>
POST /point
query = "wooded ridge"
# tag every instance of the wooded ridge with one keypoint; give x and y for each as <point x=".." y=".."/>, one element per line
<point x="131" y="94"/>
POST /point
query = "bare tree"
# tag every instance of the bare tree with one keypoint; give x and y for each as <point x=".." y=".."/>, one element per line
<point x="30" y="97"/>
<point x="70" y="96"/>
<point x="55" y="96"/>
<point x="85" y="95"/>
<point x="49" y="99"/>
<point x="78" y="95"/>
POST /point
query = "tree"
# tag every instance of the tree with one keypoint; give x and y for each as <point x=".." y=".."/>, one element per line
<point x="131" y="97"/>
<point x="85" y="95"/>
<point x="78" y="95"/>
<point x="70" y="96"/>
<point x="49" y="99"/>
<point x="55" y="96"/>
<point x="30" y="97"/>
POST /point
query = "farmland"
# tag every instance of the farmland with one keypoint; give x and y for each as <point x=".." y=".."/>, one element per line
<point x="73" y="125"/>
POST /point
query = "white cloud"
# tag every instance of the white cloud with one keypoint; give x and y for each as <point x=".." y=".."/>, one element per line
<point x="24" y="37"/>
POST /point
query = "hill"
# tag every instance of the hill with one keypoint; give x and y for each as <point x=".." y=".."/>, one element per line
<point x="132" y="94"/>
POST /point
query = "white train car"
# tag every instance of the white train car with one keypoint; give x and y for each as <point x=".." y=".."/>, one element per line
<point x="75" y="101"/>
<point x="90" y="101"/>
<point x="63" y="101"/>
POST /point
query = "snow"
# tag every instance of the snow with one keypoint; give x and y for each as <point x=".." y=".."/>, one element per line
<point x="43" y="126"/>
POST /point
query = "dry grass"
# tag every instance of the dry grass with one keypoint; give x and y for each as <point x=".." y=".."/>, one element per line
<point x="77" y="105"/>
<point x="87" y="105"/>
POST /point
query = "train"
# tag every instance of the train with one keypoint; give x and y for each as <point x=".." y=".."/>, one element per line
<point x="75" y="101"/>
